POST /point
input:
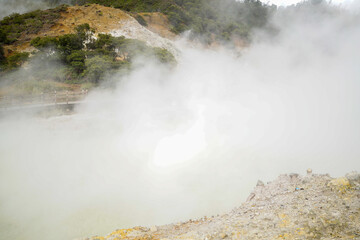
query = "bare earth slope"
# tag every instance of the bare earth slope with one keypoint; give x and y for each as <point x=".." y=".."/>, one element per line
<point x="291" y="207"/>
<point x="158" y="23"/>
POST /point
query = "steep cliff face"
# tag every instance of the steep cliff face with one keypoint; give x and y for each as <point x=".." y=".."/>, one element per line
<point x="291" y="207"/>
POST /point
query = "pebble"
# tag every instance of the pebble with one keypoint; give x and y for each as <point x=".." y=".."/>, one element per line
<point x="223" y="235"/>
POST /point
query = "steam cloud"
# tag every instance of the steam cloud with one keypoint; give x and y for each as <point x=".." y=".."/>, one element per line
<point x="21" y="6"/>
<point x="168" y="145"/>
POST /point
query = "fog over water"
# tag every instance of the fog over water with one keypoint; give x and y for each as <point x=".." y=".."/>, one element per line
<point x="171" y="144"/>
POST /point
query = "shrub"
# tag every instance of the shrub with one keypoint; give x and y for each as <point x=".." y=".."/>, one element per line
<point x="17" y="59"/>
<point x="31" y="23"/>
<point x="3" y="37"/>
<point x="2" y="55"/>
<point x="91" y="61"/>
<point x="68" y="43"/>
<point x="77" y="61"/>
<point x="140" y="20"/>
<point x="164" y="55"/>
<point x="97" y="67"/>
<point x="44" y="42"/>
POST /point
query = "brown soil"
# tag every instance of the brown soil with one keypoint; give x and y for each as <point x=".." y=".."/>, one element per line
<point x="102" y="19"/>
<point x="158" y="23"/>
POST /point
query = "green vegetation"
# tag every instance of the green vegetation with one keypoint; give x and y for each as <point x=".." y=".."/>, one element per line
<point x="17" y="59"/>
<point x="3" y="37"/>
<point x="164" y="56"/>
<point x="37" y="87"/>
<point x="97" y="66"/>
<point x="45" y="42"/>
<point x="80" y="58"/>
<point x="87" y="59"/>
<point x="2" y="56"/>
<point x="140" y="19"/>
<point x="13" y="26"/>
<point x="208" y="19"/>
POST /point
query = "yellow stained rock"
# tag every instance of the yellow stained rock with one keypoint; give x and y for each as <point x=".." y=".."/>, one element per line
<point x="122" y="233"/>
<point x="285" y="220"/>
<point x="339" y="184"/>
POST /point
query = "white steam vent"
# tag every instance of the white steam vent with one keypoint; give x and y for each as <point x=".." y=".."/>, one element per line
<point x="168" y="145"/>
<point x="182" y="146"/>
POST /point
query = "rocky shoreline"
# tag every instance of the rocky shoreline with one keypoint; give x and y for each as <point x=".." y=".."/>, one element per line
<point x="291" y="207"/>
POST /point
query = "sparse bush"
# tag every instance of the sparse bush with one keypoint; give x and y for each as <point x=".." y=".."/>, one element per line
<point x="44" y="42"/>
<point x="17" y="59"/>
<point x="2" y="56"/>
<point x="209" y="19"/>
<point x="90" y="61"/>
<point x="104" y="41"/>
<point x="140" y="20"/>
<point x="164" y="55"/>
<point x="31" y="23"/>
<point x="98" y="66"/>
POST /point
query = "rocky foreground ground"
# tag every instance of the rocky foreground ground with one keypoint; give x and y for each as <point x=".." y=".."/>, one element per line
<point x="291" y="207"/>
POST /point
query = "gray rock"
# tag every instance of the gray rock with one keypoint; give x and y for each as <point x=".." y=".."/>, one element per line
<point x="274" y="212"/>
<point x="260" y="183"/>
<point x="353" y="177"/>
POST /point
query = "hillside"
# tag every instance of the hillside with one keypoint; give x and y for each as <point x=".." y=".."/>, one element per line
<point x="100" y="18"/>
<point x="86" y="41"/>
<point x="143" y="120"/>
<point x="81" y="44"/>
<point x="208" y="21"/>
<point x="290" y="207"/>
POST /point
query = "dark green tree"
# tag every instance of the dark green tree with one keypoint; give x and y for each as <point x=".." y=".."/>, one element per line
<point x="2" y="55"/>
<point x="98" y="66"/>
<point x="45" y="42"/>
<point x="68" y="43"/>
<point x="84" y="32"/>
<point x="3" y="37"/>
<point x="77" y="61"/>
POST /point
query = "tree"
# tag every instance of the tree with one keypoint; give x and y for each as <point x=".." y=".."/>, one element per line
<point x="77" y="61"/>
<point x="47" y="45"/>
<point x="105" y="41"/>
<point x="3" y="37"/>
<point x="97" y="66"/>
<point x="164" y="55"/>
<point x="45" y="42"/>
<point x="69" y="43"/>
<point x="84" y="32"/>
<point x="2" y="55"/>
